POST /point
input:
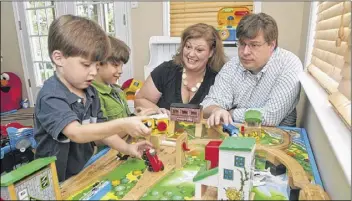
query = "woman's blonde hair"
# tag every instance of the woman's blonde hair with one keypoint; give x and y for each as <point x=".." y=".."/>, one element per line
<point x="212" y="37"/>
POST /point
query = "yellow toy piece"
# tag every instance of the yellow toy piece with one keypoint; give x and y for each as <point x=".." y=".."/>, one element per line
<point x="158" y="123"/>
<point x="115" y="182"/>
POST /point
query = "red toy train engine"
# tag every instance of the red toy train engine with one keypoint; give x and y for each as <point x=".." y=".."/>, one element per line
<point x="152" y="161"/>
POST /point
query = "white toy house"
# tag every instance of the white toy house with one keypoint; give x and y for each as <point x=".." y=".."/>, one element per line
<point x="233" y="176"/>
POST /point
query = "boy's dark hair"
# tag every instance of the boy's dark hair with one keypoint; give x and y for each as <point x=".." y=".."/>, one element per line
<point x="119" y="52"/>
<point x="78" y="36"/>
<point x="250" y="25"/>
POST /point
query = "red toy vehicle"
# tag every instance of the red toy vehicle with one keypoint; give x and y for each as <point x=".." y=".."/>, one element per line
<point x="152" y="161"/>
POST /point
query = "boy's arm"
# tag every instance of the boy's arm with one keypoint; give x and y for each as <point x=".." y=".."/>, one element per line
<point x="58" y="119"/>
<point x="115" y="142"/>
<point x="92" y="132"/>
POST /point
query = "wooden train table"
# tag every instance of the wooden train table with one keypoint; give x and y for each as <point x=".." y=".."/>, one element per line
<point x="283" y="152"/>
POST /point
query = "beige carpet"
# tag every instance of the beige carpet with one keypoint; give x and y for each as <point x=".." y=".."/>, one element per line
<point x="22" y="116"/>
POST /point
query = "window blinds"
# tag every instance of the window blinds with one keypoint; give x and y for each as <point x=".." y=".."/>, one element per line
<point x="184" y="14"/>
<point x="331" y="55"/>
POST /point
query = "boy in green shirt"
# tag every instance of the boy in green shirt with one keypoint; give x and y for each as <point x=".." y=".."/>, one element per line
<point x="112" y="98"/>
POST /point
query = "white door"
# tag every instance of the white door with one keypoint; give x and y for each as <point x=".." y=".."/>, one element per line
<point x="34" y="19"/>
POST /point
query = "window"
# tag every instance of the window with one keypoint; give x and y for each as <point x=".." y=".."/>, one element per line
<point x="39" y="16"/>
<point x="330" y="62"/>
<point x="184" y="14"/>
<point x="228" y="174"/>
<point x="100" y="12"/>
<point x="175" y="111"/>
<point x="33" y="19"/>
<point x="239" y="161"/>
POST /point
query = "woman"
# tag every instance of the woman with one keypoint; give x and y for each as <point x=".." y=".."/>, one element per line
<point x="188" y="77"/>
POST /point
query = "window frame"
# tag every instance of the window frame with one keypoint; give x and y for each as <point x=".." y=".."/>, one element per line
<point x="335" y="130"/>
<point x="61" y="8"/>
<point x="227" y="177"/>
<point x="238" y="165"/>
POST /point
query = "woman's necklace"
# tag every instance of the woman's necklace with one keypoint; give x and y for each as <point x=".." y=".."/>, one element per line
<point x="185" y="82"/>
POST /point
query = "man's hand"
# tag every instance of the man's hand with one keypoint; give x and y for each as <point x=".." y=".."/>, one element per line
<point x="135" y="127"/>
<point x="219" y="116"/>
<point x="136" y="149"/>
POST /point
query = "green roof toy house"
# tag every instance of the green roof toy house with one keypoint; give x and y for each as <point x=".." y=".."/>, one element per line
<point x="232" y="176"/>
<point x="253" y="121"/>
<point x="36" y="180"/>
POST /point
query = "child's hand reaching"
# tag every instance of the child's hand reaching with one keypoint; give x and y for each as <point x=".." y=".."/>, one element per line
<point x="135" y="127"/>
<point x="136" y="149"/>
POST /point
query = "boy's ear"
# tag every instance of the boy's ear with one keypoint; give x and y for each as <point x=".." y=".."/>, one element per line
<point x="58" y="57"/>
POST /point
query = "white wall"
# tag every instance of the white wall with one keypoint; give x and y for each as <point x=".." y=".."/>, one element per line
<point x="9" y="45"/>
<point x="333" y="178"/>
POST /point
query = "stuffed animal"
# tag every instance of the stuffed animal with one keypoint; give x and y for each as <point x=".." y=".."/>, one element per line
<point x="11" y="92"/>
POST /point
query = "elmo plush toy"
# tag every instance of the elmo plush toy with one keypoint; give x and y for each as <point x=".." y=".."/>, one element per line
<point x="11" y="92"/>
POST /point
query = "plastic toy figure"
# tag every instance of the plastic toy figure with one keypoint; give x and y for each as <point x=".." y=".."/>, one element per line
<point x="152" y="161"/>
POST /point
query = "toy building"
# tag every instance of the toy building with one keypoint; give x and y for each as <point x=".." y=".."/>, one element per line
<point x="253" y="121"/>
<point x="36" y="180"/>
<point x="191" y="113"/>
<point x="233" y="175"/>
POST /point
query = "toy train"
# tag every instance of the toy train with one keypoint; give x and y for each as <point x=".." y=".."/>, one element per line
<point x="159" y="123"/>
<point x="230" y="129"/>
<point x="152" y="161"/>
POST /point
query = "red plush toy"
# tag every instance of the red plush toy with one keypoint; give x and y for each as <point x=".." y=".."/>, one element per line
<point x="11" y="92"/>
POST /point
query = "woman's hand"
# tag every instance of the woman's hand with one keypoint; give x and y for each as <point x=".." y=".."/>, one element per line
<point x="163" y="111"/>
<point x="140" y="111"/>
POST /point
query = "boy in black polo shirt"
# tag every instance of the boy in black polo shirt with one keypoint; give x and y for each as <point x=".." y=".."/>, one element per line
<point x="67" y="111"/>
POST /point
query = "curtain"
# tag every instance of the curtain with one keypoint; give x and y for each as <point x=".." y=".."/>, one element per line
<point x="331" y="56"/>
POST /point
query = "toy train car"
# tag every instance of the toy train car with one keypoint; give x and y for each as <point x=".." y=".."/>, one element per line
<point x="152" y="161"/>
<point x="159" y="123"/>
<point x="230" y="129"/>
<point x="186" y="112"/>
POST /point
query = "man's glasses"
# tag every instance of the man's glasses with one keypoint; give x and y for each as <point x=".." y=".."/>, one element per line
<point x="251" y="46"/>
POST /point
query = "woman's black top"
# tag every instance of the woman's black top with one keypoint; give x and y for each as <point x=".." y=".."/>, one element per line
<point x="167" y="78"/>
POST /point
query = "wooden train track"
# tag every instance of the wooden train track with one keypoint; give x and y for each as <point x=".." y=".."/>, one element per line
<point x="297" y="175"/>
<point x="148" y="179"/>
<point x="90" y="175"/>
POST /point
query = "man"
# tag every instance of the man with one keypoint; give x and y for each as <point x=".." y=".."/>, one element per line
<point x="263" y="76"/>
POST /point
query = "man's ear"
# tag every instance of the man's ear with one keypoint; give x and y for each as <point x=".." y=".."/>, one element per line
<point x="273" y="44"/>
<point x="58" y="58"/>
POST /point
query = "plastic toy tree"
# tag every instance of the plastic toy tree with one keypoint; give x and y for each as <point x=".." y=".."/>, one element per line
<point x="253" y="121"/>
